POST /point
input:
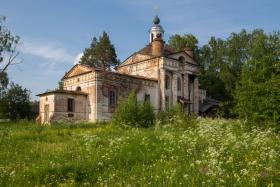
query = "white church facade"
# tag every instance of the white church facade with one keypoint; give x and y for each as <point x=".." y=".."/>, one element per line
<point x="155" y="73"/>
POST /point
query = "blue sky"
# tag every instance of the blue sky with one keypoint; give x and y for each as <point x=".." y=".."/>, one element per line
<point x="54" y="33"/>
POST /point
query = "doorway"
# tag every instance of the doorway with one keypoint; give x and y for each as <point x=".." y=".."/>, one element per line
<point x="46" y="113"/>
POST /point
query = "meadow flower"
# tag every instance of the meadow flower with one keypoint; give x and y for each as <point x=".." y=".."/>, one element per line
<point x="244" y="172"/>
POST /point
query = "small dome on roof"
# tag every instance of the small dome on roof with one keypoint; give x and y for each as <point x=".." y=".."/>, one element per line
<point x="156" y="20"/>
<point x="156" y="31"/>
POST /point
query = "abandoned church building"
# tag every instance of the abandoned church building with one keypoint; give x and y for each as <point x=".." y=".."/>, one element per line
<point x="155" y="72"/>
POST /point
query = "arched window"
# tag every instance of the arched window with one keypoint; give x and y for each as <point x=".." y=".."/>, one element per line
<point x="78" y="89"/>
<point x="179" y="84"/>
<point x="167" y="82"/>
<point x="181" y="59"/>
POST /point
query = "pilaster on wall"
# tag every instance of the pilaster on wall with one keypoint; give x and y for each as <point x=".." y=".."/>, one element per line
<point x="158" y="92"/>
<point x="99" y="101"/>
<point x="162" y="73"/>
<point x="92" y="104"/>
<point x="186" y="86"/>
<point x="196" y="96"/>
<point x="174" y="88"/>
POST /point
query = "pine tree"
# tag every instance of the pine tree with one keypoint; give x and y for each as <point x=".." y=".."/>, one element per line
<point x="100" y="54"/>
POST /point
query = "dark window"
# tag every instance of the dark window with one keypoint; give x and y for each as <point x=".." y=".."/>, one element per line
<point x="112" y="98"/>
<point x="78" y="89"/>
<point x="179" y="84"/>
<point x="147" y="97"/>
<point x="167" y="82"/>
<point x="70" y="105"/>
<point x="166" y="102"/>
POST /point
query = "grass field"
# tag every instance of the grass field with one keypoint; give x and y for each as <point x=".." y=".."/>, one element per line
<point x="209" y="153"/>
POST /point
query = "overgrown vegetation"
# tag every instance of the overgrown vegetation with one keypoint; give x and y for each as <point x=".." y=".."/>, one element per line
<point x="175" y="117"/>
<point x="134" y="113"/>
<point x="208" y="153"/>
<point x="242" y="71"/>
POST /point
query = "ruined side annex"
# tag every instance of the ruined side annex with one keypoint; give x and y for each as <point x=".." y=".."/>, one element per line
<point x="155" y="72"/>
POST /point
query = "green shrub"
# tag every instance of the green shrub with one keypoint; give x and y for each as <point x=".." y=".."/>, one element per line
<point x="146" y="115"/>
<point x="176" y="117"/>
<point x="134" y="113"/>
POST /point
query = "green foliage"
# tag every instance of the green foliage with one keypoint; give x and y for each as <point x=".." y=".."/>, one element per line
<point x="133" y="113"/>
<point x="239" y="71"/>
<point x="257" y="93"/>
<point x="4" y="81"/>
<point x="100" y="54"/>
<point x="179" y="43"/>
<point x="8" y="44"/>
<point x="212" y="153"/>
<point x="146" y="115"/>
<point x="15" y="104"/>
<point x="175" y="117"/>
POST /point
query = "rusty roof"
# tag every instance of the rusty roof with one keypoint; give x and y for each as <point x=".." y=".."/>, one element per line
<point x="62" y="92"/>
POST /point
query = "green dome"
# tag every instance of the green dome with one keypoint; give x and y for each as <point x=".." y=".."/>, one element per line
<point x="156" y="20"/>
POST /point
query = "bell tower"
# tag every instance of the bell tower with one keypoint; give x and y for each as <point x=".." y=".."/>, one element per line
<point x="156" y="30"/>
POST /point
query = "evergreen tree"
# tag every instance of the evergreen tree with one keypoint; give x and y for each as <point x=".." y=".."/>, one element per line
<point x="100" y="54"/>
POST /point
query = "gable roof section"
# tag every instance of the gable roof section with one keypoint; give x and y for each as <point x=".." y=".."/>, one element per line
<point x="78" y="69"/>
<point x="135" y="58"/>
<point x="146" y="51"/>
<point x="187" y="57"/>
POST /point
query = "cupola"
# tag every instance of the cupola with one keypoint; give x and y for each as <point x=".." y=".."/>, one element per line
<point x="156" y="31"/>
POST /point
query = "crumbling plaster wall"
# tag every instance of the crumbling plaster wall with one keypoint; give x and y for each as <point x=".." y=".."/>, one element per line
<point x="61" y="113"/>
<point x="46" y="100"/>
<point x="123" y="86"/>
<point x="147" y="68"/>
<point x="87" y="83"/>
<point x="57" y="103"/>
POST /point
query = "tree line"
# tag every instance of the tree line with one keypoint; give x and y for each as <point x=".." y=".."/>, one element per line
<point x="241" y="71"/>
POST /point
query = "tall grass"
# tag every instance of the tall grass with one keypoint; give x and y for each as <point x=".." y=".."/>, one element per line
<point x="207" y="153"/>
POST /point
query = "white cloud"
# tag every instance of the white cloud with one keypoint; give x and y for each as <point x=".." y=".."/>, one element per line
<point x="78" y="58"/>
<point x="47" y="50"/>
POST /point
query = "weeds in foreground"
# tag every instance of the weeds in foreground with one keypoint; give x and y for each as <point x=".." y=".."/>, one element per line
<point x="210" y="153"/>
